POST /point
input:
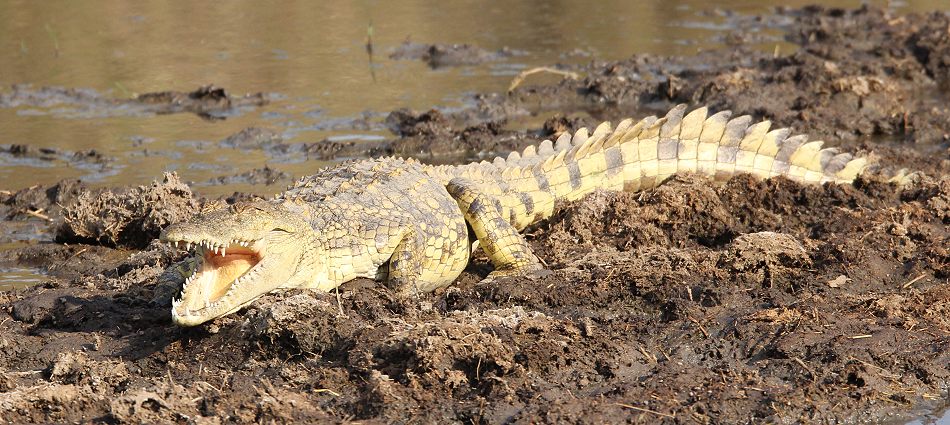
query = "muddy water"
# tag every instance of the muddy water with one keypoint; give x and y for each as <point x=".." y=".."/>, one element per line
<point x="309" y="58"/>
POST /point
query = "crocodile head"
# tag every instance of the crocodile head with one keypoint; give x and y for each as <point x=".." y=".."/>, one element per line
<point x="242" y="252"/>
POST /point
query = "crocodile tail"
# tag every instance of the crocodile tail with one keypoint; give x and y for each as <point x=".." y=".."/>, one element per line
<point x="641" y="155"/>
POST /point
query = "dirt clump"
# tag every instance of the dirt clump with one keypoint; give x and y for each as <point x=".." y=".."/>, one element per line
<point x="446" y="55"/>
<point x="210" y="102"/>
<point x="130" y="218"/>
<point x="41" y="199"/>
<point x="252" y="138"/>
<point x="258" y="176"/>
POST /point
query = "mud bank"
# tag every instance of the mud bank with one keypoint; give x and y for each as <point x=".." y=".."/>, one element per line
<point x="748" y="301"/>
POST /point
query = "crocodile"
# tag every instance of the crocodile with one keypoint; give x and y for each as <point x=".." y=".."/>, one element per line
<point x="415" y="226"/>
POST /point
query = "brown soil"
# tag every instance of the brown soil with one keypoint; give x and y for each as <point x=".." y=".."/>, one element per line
<point x="746" y="302"/>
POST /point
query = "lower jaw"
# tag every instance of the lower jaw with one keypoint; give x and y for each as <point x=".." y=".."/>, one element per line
<point x="184" y="316"/>
<point x="188" y="319"/>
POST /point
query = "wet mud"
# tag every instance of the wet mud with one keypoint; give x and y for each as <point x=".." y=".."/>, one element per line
<point x="93" y="164"/>
<point x="12" y="154"/>
<point x="448" y="55"/>
<point x="742" y="302"/>
<point x="209" y="102"/>
<point x="259" y="176"/>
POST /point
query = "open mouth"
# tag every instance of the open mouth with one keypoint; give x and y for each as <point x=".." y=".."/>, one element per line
<point x="220" y="269"/>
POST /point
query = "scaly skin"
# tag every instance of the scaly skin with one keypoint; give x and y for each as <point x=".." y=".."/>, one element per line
<point x="410" y="223"/>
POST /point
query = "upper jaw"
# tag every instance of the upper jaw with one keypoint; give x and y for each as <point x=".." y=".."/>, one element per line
<point x="215" y="245"/>
<point x="201" y="297"/>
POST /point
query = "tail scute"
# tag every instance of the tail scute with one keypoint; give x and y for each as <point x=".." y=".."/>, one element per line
<point x="692" y="124"/>
<point x="673" y="123"/>
<point x="713" y="127"/>
<point x="735" y="131"/>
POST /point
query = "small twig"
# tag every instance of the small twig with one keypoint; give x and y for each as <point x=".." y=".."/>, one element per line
<point x="210" y="386"/>
<point x="327" y="390"/>
<point x="701" y="328"/>
<point x="804" y="366"/>
<point x="369" y="50"/>
<point x="39" y="213"/>
<point x="861" y="336"/>
<point x="52" y="35"/>
<point x="515" y="82"/>
<point x="26" y="372"/>
<point x="78" y="253"/>
<point x="224" y="379"/>
<point x="646" y="354"/>
<point x="645" y="410"/>
<point x="886" y="373"/>
<point x="913" y="281"/>
<point x="339" y="302"/>
<point x="123" y="89"/>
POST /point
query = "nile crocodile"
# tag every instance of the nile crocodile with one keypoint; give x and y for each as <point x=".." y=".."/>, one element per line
<point x="413" y="224"/>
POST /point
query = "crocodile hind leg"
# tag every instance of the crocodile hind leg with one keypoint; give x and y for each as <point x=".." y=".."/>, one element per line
<point x="506" y="248"/>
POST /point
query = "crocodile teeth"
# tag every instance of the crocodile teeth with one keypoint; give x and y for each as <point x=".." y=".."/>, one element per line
<point x="223" y="252"/>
